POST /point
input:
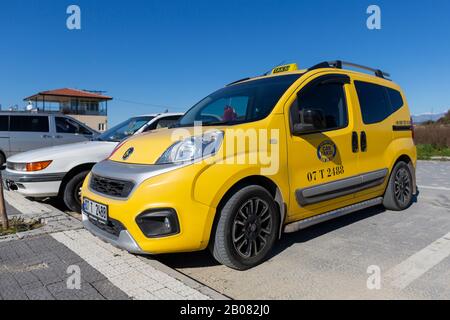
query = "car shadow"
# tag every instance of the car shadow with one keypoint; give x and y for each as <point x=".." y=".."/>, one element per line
<point x="205" y="259"/>
<point x="302" y="236"/>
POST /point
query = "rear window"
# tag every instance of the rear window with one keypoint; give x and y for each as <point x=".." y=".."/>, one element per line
<point x="396" y="99"/>
<point x="163" y="123"/>
<point x="377" y="102"/>
<point x="4" y="123"/>
<point x="29" y="124"/>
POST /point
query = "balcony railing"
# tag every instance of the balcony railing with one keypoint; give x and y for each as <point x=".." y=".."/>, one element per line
<point x="100" y="109"/>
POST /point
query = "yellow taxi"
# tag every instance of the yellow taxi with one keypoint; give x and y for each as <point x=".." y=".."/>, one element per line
<point x="259" y="157"/>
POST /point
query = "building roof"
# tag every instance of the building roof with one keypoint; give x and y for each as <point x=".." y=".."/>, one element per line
<point x="68" y="92"/>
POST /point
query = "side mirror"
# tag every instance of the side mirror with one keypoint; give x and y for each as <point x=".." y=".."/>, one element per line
<point x="311" y="120"/>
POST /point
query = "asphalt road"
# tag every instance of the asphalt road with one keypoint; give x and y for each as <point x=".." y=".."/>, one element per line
<point x="410" y="251"/>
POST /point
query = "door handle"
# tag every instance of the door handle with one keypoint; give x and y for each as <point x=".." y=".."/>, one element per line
<point x="355" y="143"/>
<point x="58" y="137"/>
<point x="363" y="142"/>
<point x="45" y="136"/>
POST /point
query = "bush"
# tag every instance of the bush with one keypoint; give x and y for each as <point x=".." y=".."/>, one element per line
<point x="435" y="135"/>
<point x="20" y="225"/>
<point x="427" y="151"/>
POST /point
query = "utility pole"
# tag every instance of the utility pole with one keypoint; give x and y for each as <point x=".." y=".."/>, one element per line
<point x="3" y="214"/>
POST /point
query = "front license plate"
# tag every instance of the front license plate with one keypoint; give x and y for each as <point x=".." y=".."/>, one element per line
<point x="95" y="210"/>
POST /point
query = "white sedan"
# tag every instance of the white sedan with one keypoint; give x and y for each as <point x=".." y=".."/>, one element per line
<point x="60" y="171"/>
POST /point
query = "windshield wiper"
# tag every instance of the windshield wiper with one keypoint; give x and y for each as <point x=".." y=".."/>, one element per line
<point x="221" y="123"/>
<point x="207" y="124"/>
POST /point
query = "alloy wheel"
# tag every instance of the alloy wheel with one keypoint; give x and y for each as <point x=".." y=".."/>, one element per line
<point x="402" y="186"/>
<point x="252" y="227"/>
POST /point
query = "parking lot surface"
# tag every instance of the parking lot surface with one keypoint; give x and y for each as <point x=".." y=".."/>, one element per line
<point x="342" y="258"/>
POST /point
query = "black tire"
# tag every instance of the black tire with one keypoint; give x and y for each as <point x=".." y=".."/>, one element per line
<point x="2" y="159"/>
<point x="399" y="192"/>
<point x="250" y="216"/>
<point x="71" y="192"/>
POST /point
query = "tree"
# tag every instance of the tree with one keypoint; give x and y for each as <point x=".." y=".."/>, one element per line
<point x="445" y="119"/>
<point x="3" y="214"/>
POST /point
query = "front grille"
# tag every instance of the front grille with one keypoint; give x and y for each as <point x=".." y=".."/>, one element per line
<point x="111" y="187"/>
<point x="113" y="227"/>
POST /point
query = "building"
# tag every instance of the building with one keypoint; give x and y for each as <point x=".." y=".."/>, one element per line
<point x="89" y="107"/>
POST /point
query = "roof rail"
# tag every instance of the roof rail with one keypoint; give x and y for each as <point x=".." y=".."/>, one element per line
<point x="338" y="64"/>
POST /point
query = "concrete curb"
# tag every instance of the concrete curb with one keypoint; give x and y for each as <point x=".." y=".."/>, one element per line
<point x="440" y="158"/>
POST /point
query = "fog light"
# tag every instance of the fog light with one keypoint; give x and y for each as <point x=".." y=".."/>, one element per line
<point x="158" y="223"/>
<point x="167" y="223"/>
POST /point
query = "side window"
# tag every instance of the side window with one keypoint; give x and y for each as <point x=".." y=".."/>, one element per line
<point x="29" y="124"/>
<point x="396" y="99"/>
<point x="65" y="125"/>
<point x="373" y="101"/>
<point x="324" y="106"/>
<point x="84" y="130"/>
<point x="4" y="123"/>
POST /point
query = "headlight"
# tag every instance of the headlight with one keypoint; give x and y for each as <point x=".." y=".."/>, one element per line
<point x="193" y="148"/>
<point x="28" y="167"/>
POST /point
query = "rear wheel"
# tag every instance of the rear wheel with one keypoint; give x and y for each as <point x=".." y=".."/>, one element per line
<point x="399" y="192"/>
<point x="247" y="229"/>
<point x="72" y="192"/>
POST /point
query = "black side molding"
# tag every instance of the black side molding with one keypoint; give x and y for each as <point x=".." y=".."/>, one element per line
<point x="340" y="188"/>
<point x="49" y="177"/>
<point x="402" y="128"/>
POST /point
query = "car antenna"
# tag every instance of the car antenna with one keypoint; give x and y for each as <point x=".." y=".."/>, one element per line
<point x="279" y="64"/>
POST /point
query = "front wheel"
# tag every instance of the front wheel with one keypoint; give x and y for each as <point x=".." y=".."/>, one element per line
<point x="399" y="193"/>
<point x="72" y="192"/>
<point x="247" y="229"/>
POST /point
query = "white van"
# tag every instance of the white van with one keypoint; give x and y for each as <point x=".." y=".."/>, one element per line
<point x="24" y="131"/>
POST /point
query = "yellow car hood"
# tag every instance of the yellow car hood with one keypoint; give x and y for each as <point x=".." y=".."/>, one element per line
<point x="148" y="147"/>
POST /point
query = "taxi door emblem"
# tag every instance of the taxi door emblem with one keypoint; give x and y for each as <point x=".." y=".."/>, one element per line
<point x="326" y="152"/>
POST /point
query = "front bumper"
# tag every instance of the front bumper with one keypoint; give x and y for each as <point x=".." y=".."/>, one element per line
<point x="167" y="190"/>
<point x="33" y="185"/>
<point x="124" y="241"/>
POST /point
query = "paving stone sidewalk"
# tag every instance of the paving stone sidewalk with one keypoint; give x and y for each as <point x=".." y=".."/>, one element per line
<point x="37" y="265"/>
<point x="36" y="269"/>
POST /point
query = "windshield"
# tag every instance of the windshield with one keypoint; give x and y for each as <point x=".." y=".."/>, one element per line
<point x="124" y="130"/>
<point x="239" y="103"/>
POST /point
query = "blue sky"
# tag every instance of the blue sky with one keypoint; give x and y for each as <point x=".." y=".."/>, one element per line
<point x="173" y="53"/>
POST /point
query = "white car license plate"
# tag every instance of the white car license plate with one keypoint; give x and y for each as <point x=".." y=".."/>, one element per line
<point x="95" y="210"/>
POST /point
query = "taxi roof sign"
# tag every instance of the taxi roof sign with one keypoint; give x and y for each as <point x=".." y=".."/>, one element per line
<point x="285" y="68"/>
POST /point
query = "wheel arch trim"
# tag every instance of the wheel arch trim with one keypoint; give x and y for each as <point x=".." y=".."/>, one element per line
<point x="263" y="181"/>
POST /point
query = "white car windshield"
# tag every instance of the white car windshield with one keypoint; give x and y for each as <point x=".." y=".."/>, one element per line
<point x="124" y="129"/>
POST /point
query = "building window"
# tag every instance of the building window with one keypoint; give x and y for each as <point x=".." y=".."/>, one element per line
<point x="101" y="127"/>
